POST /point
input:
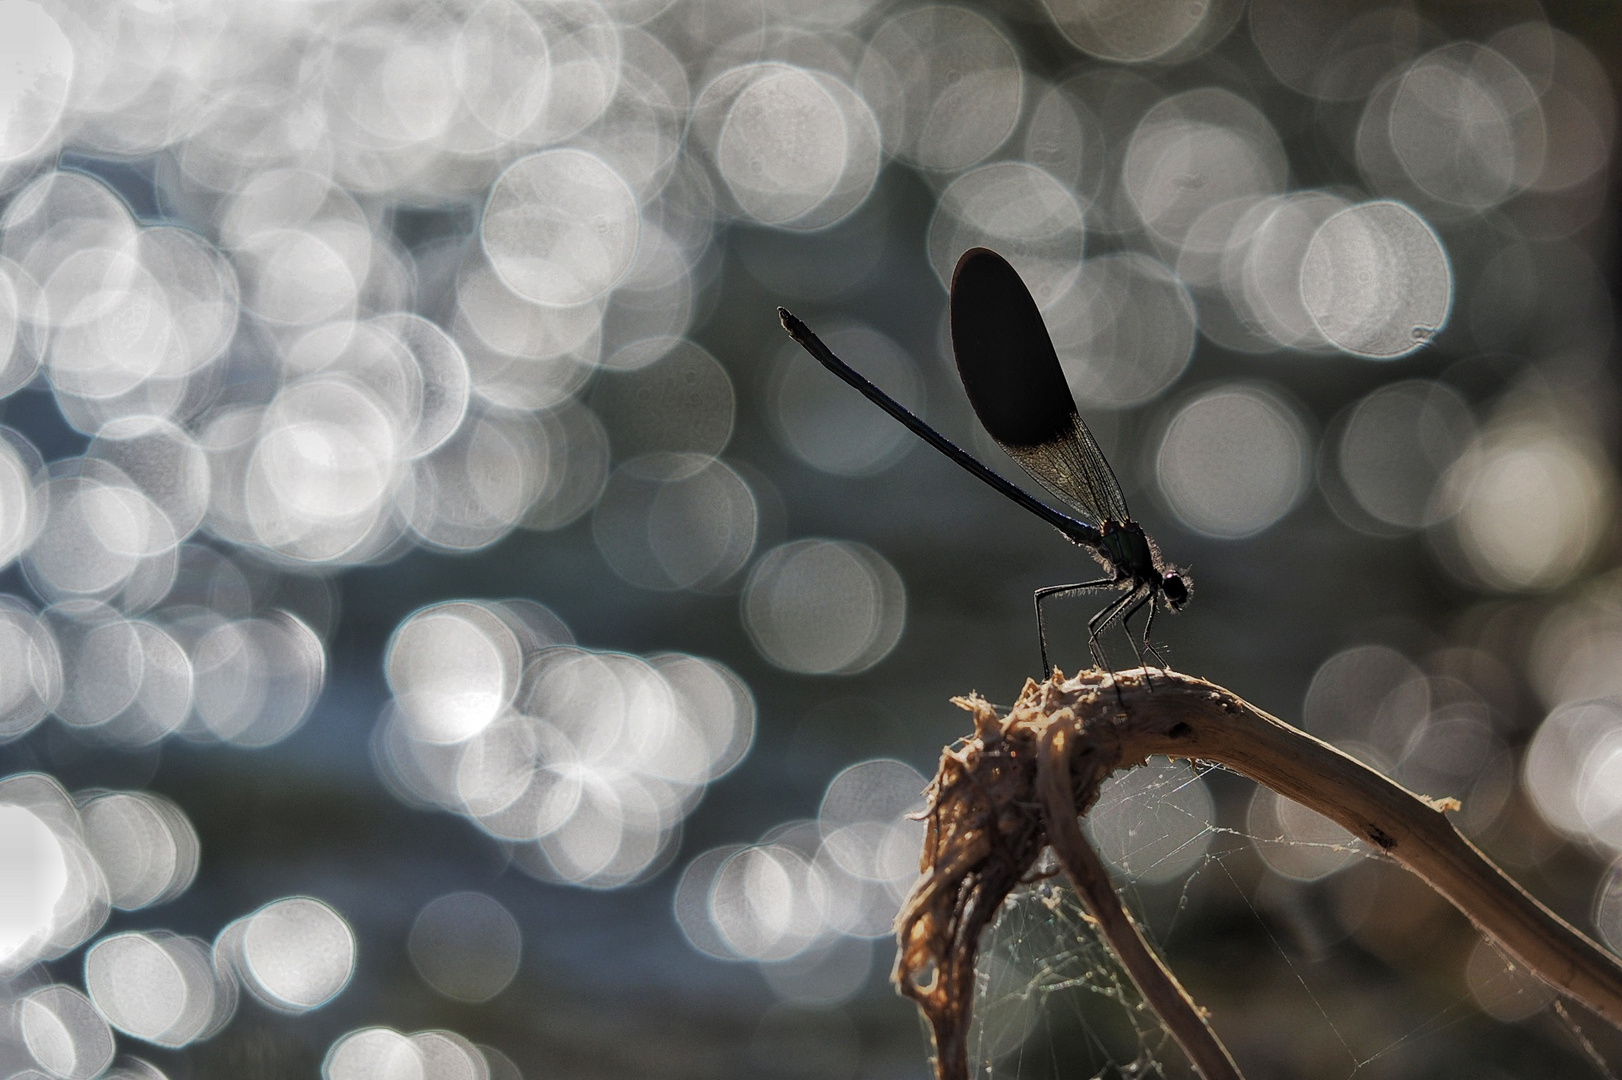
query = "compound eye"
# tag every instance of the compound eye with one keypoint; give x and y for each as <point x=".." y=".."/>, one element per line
<point x="1175" y="588"/>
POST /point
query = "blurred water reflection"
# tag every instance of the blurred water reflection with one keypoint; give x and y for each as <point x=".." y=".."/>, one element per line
<point x="466" y="946"/>
<point x="803" y="901"/>
<point x="322" y="327"/>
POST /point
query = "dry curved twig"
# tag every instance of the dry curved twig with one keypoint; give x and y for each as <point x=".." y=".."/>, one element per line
<point x="1154" y="980"/>
<point x="1015" y="786"/>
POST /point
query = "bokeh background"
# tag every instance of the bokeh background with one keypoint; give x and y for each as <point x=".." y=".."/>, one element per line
<point x="449" y="631"/>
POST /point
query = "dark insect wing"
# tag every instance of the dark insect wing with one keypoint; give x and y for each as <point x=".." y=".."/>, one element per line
<point x="1074" y="469"/>
<point x="1013" y="380"/>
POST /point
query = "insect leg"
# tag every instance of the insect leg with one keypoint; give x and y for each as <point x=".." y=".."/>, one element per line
<point x="1148" y="646"/>
<point x="1126" y="627"/>
<point x="1148" y="598"/>
<point x="1062" y="590"/>
<point x="1101" y="622"/>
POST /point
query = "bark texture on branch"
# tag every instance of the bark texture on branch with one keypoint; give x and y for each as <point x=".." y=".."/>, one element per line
<point x="987" y="827"/>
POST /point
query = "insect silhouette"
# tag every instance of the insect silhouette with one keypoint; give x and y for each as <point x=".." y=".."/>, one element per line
<point x="1012" y="377"/>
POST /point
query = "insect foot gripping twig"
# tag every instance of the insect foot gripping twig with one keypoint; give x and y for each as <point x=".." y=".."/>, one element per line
<point x="1016" y="786"/>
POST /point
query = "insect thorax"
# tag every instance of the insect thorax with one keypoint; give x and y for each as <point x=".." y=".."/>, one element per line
<point x="1127" y="547"/>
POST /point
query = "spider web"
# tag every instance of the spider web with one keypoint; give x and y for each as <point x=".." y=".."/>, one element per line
<point x="1052" y="1001"/>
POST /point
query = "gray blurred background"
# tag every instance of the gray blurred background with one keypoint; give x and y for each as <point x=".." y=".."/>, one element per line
<point x="450" y="631"/>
